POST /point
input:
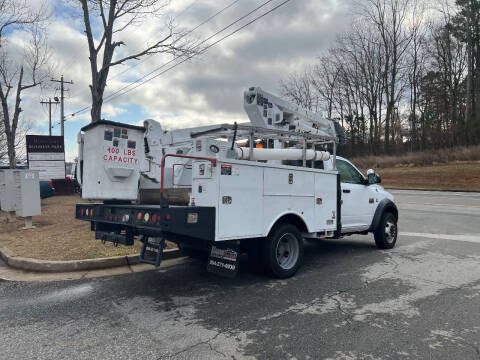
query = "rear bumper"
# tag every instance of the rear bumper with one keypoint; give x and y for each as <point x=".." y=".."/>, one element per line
<point x="115" y="222"/>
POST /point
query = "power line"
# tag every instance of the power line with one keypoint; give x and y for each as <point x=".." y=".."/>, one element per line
<point x="180" y="38"/>
<point x="116" y="93"/>
<point x="189" y="32"/>
<point x="147" y="57"/>
<point x="111" y="97"/>
<point x="138" y="63"/>
<point x="196" y="46"/>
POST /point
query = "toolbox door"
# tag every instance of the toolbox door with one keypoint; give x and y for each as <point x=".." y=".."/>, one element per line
<point x="325" y="202"/>
<point x="240" y="205"/>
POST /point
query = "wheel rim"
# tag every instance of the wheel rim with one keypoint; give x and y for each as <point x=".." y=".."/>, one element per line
<point x="390" y="231"/>
<point x="287" y="251"/>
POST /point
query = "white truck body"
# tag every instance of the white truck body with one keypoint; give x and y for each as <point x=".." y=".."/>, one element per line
<point x="250" y="197"/>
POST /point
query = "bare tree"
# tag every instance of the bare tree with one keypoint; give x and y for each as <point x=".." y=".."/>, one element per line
<point x="299" y="88"/>
<point x="445" y="97"/>
<point x="392" y="70"/>
<point x="391" y="18"/>
<point x="115" y="16"/>
<point x="20" y="13"/>
<point x="18" y="74"/>
<point x="417" y="58"/>
<point x="466" y="23"/>
<point x="360" y="50"/>
<point x="324" y="79"/>
<point x="3" y="141"/>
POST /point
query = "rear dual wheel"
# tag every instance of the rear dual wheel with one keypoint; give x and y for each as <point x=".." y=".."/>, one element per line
<point x="283" y="251"/>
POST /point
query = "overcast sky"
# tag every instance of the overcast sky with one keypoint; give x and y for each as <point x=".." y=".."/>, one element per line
<point x="203" y="90"/>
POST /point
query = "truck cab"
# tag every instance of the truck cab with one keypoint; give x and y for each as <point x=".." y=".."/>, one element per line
<point x="361" y="196"/>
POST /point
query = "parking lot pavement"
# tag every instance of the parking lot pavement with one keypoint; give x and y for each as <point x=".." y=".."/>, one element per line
<point x="349" y="301"/>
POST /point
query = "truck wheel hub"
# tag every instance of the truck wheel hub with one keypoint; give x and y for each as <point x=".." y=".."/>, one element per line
<point x="390" y="231"/>
<point x="287" y="251"/>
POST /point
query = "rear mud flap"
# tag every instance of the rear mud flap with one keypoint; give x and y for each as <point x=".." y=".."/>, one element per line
<point x="152" y="251"/>
<point x="224" y="259"/>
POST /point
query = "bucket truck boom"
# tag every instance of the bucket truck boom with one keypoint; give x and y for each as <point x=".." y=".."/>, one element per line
<point x="269" y="111"/>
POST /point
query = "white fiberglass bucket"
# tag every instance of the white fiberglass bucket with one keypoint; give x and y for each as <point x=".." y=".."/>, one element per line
<point x="112" y="157"/>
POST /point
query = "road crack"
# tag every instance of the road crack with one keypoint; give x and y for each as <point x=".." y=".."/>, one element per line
<point x="206" y="342"/>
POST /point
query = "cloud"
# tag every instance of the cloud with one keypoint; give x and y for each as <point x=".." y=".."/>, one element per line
<point x="212" y="85"/>
<point x="208" y="89"/>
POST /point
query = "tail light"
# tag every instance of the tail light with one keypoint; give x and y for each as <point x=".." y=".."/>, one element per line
<point x="168" y="217"/>
<point x="139" y="216"/>
<point x="154" y="218"/>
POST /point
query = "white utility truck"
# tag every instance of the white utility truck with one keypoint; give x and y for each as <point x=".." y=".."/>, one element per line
<point x="222" y="190"/>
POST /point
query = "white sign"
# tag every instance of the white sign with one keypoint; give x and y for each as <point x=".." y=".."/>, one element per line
<point x="46" y="154"/>
<point x="48" y="170"/>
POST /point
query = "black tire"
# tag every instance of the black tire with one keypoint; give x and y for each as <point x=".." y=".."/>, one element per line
<point x="387" y="231"/>
<point x="283" y="251"/>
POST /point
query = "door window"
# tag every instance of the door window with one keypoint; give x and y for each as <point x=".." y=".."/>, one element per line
<point x="348" y="174"/>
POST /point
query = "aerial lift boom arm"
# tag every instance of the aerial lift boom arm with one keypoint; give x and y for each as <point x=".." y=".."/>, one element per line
<point x="269" y="111"/>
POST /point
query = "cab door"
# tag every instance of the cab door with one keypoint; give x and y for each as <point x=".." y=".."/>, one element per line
<point x="357" y="204"/>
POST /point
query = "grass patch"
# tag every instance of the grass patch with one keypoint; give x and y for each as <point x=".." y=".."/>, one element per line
<point x="415" y="159"/>
<point x="59" y="236"/>
<point x="458" y="176"/>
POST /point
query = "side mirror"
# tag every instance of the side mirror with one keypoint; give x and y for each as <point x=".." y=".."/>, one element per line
<point x="373" y="178"/>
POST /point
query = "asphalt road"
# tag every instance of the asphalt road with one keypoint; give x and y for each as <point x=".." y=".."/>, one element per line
<point x="420" y="300"/>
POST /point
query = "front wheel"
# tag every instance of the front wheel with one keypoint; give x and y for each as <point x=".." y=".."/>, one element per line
<point x="283" y="251"/>
<point x="386" y="232"/>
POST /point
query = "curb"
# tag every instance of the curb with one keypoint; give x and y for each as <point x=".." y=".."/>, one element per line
<point x="29" y="264"/>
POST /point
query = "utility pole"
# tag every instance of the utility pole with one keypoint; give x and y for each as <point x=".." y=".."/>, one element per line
<point x="49" y="102"/>
<point x="62" y="90"/>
